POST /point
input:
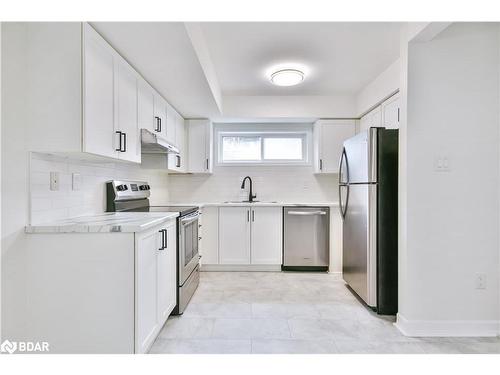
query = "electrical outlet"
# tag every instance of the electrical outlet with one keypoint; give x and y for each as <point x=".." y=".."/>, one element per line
<point x="442" y="164"/>
<point x="54" y="181"/>
<point x="76" y="181"/>
<point x="480" y="281"/>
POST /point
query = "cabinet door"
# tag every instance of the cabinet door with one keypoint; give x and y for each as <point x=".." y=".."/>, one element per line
<point x="98" y="98"/>
<point x="167" y="275"/>
<point x="126" y="104"/>
<point x="160" y="111"/>
<point x="209" y="233"/>
<point x="147" y="247"/>
<point x="364" y="123"/>
<point x="333" y="133"/>
<point x="376" y="120"/>
<point x="234" y="235"/>
<point x="390" y="112"/>
<point x="267" y="235"/>
<point x="170" y="126"/>
<point x="145" y="107"/>
<point x="199" y="146"/>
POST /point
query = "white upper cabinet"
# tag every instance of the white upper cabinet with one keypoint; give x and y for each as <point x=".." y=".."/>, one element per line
<point x="390" y="112"/>
<point x="200" y="145"/>
<point x="160" y="114"/>
<point x="178" y="162"/>
<point x="98" y="96"/>
<point x="126" y="128"/>
<point x="329" y="136"/>
<point x="170" y="124"/>
<point x="145" y="107"/>
<point x="267" y="235"/>
<point x="234" y="235"/>
<point x="385" y="115"/>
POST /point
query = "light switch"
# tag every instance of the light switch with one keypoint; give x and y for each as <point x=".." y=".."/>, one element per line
<point x="442" y="164"/>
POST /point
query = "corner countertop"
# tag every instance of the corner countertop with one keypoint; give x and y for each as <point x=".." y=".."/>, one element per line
<point x="255" y="204"/>
<point x="124" y="222"/>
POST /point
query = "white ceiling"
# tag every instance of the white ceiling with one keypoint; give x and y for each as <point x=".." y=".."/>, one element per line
<point x="163" y="53"/>
<point x="342" y="57"/>
<point x="339" y="59"/>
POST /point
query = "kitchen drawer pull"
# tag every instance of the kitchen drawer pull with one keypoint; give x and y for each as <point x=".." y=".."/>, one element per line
<point x="306" y="213"/>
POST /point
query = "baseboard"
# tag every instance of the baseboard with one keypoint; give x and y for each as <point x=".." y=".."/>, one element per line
<point x="447" y="328"/>
<point x="240" y="267"/>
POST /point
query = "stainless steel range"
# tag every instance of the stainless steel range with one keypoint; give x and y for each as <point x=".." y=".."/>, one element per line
<point x="133" y="196"/>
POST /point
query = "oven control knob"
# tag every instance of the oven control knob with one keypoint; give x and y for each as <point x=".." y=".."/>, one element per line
<point x="143" y="187"/>
<point x="120" y="188"/>
<point x="148" y="187"/>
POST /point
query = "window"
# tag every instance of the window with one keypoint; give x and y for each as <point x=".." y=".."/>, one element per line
<point x="263" y="147"/>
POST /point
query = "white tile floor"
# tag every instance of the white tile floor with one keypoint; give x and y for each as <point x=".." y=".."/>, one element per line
<point x="284" y="312"/>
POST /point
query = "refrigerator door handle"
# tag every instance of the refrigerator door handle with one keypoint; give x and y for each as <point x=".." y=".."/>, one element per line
<point x="343" y="158"/>
<point x="343" y="208"/>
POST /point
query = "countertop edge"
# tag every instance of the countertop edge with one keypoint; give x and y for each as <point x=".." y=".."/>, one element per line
<point x="99" y="228"/>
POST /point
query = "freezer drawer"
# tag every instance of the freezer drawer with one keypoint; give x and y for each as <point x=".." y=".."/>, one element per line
<point x="306" y="238"/>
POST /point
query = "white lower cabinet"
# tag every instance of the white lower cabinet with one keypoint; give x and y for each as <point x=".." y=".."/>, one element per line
<point x="209" y="235"/>
<point x="155" y="283"/>
<point x="250" y="235"/>
<point x="234" y="235"/>
<point x="267" y="235"/>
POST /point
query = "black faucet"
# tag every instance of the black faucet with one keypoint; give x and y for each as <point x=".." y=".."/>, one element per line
<point x="251" y="196"/>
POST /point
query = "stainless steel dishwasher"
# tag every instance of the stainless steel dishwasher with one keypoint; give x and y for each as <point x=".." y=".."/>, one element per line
<point x="306" y="238"/>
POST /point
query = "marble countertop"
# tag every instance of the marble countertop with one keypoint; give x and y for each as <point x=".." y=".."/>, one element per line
<point x="263" y="203"/>
<point x="128" y="222"/>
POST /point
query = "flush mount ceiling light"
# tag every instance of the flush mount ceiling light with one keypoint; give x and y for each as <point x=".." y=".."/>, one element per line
<point x="287" y="77"/>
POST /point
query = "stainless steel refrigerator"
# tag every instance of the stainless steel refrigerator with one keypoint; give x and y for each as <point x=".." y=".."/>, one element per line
<point x="368" y="201"/>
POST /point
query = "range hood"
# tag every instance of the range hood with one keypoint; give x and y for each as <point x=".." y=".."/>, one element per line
<point x="152" y="144"/>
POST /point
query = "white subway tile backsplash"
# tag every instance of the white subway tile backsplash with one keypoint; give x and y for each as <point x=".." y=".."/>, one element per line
<point x="278" y="183"/>
<point x="47" y="205"/>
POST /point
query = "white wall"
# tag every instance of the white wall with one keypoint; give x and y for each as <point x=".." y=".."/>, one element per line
<point x="334" y="106"/>
<point x="383" y="86"/>
<point x="449" y="220"/>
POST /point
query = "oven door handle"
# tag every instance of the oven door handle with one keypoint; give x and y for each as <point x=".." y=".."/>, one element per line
<point x="189" y="220"/>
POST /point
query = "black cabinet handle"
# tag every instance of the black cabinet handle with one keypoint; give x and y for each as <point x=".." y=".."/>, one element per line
<point x="165" y="243"/>
<point x="320" y="164"/>
<point x="207" y="164"/>
<point x="253" y="215"/>
<point x="124" y="142"/>
<point x="178" y="158"/>
<point x="162" y="239"/>
<point x="248" y="215"/>
<point x="159" y="118"/>
<point x="120" y="145"/>
<point x="157" y="128"/>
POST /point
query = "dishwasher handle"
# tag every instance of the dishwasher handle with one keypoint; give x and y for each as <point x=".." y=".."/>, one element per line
<point x="306" y="213"/>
